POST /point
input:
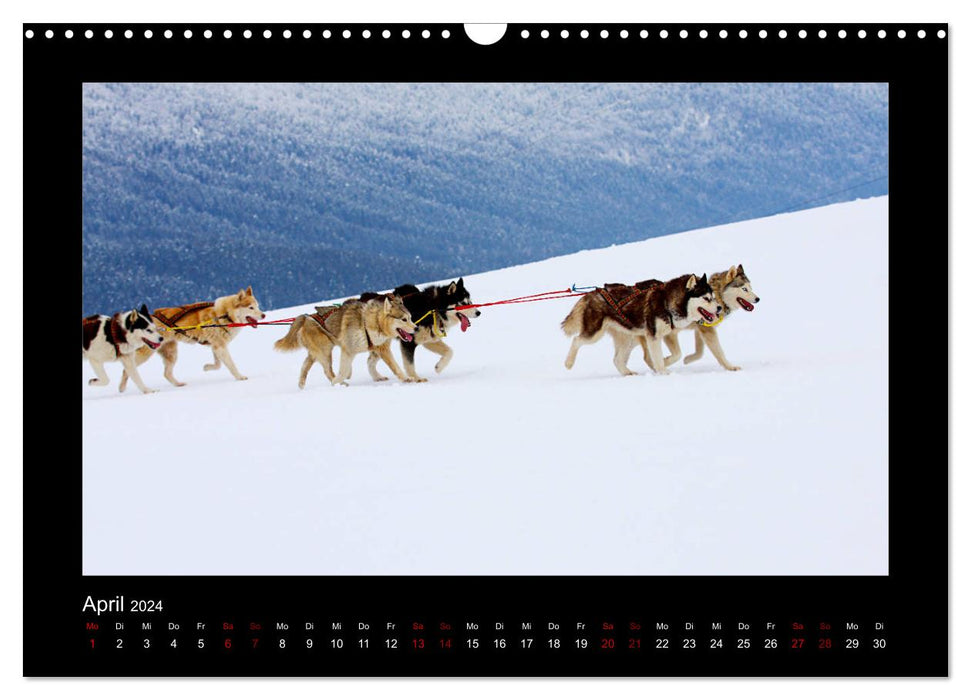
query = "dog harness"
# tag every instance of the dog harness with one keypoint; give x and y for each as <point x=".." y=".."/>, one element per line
<point x="116" y="334"/>
<point x="183" y="311"/>
<point x="618" y="306"/>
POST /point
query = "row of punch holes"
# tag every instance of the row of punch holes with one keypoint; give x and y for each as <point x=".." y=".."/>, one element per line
<point x="524" y="34"/>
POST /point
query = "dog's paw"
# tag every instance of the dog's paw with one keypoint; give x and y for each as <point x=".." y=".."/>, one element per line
<point x="733" y="368"/>
<point x="419" y="380"/>
<point x="661" y="372"/>
<point x="380" y="379"/>
<point x="149" y="391"/>
<point x="210" y="368"/>
<point x="241" y="378"/>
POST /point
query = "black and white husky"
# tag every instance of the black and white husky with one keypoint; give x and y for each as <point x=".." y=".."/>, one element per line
<point x="110" y="338"/>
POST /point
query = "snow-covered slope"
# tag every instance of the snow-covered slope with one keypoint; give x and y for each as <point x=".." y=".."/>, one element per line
<point x="508" y="463"/>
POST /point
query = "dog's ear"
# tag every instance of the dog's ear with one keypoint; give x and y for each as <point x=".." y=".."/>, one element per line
<point x="731" y="274"/>
<point x="130" y="320"/>
<point x="387" y="304"/>
<point x="144" y="310"/>
<point x="739" y="270"/>
<point x="692" y="281"/>
<point x="241" y="294"/>
<point x="452" y="288"/>
<point x="249" y="290"/>
<point x="461" y="282"/>
<point x="704" y="278"/>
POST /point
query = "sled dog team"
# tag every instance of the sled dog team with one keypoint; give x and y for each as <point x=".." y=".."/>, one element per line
<point x="646" y="313"/>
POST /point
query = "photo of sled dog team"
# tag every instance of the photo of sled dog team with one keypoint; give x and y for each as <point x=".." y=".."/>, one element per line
<point x="648" y="313"/>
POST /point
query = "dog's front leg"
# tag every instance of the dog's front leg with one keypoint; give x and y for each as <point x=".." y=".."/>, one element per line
<point x="385" y="352"/>
<point x="372" y="367"/>
<point x="102" y="378"/>
<point x="623" y="344"/>
<point x="132" y="369"/>
<point x="344" y="373"/>
<point x="710" y="336"/>
<point x="440" y="348"/>
<point x="222" y="353"/>
<point x="216" y="364"/>
<point x="699" y="347"/>
<point x="141" y="357"/>
<point x="408" y="358"/>
<point x="657" y="355"/>
<point x="671" y="340"/>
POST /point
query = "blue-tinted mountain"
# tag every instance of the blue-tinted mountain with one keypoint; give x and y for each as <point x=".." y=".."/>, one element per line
<point x="317" y="191"/>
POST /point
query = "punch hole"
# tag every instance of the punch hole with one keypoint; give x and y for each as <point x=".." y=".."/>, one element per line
<point x="623" y="34"/>
<point x="545" y="34"/>
<point x="703" y="33"/>
<point x="842" y="34"/>
<point x="484" y="34"/>
<point x="109" y="33"/>
<point x="168" y="34"/>
<point x="129" y="33"/>
<point x="287" y="34"/>
<point x="425" y="34"/>
<point x="584" y="33"/>
<point x="882" y="34"/>
<point x="187" y="34"/>
<point x="267" y="34"/>
<point x="207" y="34"/>
<point x="723" y="34"/>
<point x="861" y="33"/>
<point x="941" y="34"/>
<point x="29" y="34"/>
<point x="68" y="34"/>
<point x="683" y="34"/>
<point x="822" y="33"/>
<point x="742" y="34"/>
<point x="663" y="34"/>
<point x="643" y="34"/>
<point x="604" y="33"/>
<point x="565" y="34"/>
<point x="921" y="34"/>
<point x="89" y="34"/>
<point x="49" y="33"/>
<point x="247" y="34"/>
<point x="763" y="34"/>
<point x="803" y="33"/>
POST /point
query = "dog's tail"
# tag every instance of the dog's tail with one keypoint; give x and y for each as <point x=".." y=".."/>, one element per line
<point x="291" y="341"/>
<point x="573" y="323"/>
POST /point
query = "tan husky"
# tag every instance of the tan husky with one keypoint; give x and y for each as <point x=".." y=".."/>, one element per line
<point x="627" y="313"/>
<point x="734" y="291"/>
<point x="355" y="327"/>
<point x="177" y="326"/>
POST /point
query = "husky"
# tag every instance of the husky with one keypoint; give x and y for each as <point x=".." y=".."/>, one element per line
<point x="355" y="326"/>
<point x="177" y="324"/>
<point x="118" y="337"/>
<point x="734" y="291"/>
<point x="652" y="311"/>
<point x="433" y="310"/>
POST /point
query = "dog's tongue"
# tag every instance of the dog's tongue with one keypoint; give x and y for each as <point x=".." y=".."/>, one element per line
<point x="745" y="304"/>
<point x="405" y="335"/>
<point x="464" y="320"/>
<point x="252" y="321"/>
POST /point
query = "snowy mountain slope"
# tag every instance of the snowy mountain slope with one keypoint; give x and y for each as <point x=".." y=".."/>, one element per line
<point x="189" y="188"/>
<point x="508" y="463"/>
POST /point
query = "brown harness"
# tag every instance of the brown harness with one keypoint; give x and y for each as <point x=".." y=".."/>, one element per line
<point x="114" y="330"/>
<point x="618" y="306"/>
<point x="182" y="313"/>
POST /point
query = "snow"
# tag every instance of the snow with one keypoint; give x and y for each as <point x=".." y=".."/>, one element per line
<point x="507" y="463"/>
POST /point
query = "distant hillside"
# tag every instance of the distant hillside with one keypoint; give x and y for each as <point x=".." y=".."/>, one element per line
<point x="316" y="191"/>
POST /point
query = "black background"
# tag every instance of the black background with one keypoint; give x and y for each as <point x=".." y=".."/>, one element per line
<point x="911" y="601"/>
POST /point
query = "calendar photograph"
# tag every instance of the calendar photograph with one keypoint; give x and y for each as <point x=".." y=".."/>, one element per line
<point x="485" y="328"/>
